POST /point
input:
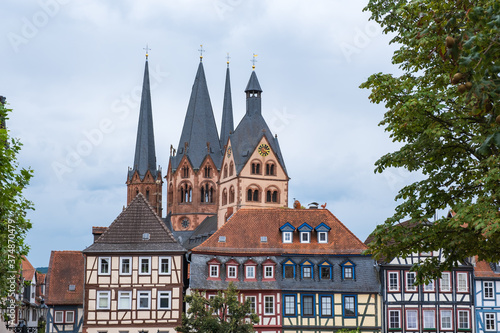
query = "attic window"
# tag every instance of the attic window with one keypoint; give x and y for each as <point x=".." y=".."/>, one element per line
<point x="145" y="236"/>
<point x="222" y="239"/>
<point x="72" y="287"/>
<point x="263" y="239"/>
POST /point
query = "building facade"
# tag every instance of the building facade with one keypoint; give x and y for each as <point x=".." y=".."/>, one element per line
<point x="487" y="296"/>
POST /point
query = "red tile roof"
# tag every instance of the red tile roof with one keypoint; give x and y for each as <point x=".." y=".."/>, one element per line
<point x="65" y="268"/>
<point x="484" y="269"/>
<point x="244" y="230"/>
<point x="27" y="269"/>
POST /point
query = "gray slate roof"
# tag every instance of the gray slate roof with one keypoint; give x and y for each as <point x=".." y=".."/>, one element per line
<point x="199" y="127"/>
<point x="206" y="229"/>
<point x="125" y="234"/>
<point x="227" y="126"/>
<point x="145" y="156"/>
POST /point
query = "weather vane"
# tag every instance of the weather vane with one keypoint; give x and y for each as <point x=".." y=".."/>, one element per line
<point x="227" y="58"/>
<point x="254" y="60"/>
<point x="147" y="50"/>
<point x="201" y="51"/>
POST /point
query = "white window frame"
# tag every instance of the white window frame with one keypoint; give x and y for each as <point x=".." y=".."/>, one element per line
<point x="305" y="237"/>
<point x="129" y="266"/>
<point x="309" y="270"/>
<point x="268" y="274"/>
<point x="162" y="295"/>
<point x="287" y="237"/>
<point x="122" y="294"/>
<point x="490" y="319"/>
<point x="425" y="319"/>
<point x="322" y="233"/>
<point x="415" y="312"/>
<point x="389" y="319"/>
<point x="488" y="286"/>
<point x="213" y="271"/>
<point x="266" y="312"/>
<point x="253" y="304"/>
<point x="56" y="320"/>
<point x="250" y="269"/>
<point x="329" y="304"/>
<point x="459" y="317"/>
<point x="160" y="266"/>
<point x="234" y="274"/>
<point x="441" y="316"/>
<point x="390" y="288"/>
<point x="407" y="286"/>
<point x="140" y="295"/>
<point x="445" y="286"/>
<point x="69" y="321"/>
<point x="462" y="281"/>
<point x="103" y="295"/>
<point x="429" y="287"/>
<point x="140" y="265"/>
<point x="100" y="271"/>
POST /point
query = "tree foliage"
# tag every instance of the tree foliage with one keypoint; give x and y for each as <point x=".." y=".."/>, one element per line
<point x="444" y="109"/>
<point x="220" y="314"/>
<point x="13" y="206"/>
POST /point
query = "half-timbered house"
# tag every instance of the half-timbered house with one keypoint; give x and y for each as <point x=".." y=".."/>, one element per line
<point x="133" y="275"/>
<point x="303" y="270"/>
<point x="487" y="296"/>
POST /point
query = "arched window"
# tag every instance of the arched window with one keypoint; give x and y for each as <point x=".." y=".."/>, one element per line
<point x="272" y="195"/>
<point x="208" y="171"/>
<point x="207" y="193"/>
<point x="231" y="168"/>
<point x="255" y="168"/>
<point x="225" y="171"/>
<point x="224" y="197"/>
<point x="253" y="194"/>
<point x="270" y="169"/>
<point x="185" y="171"/>
<point x="231" y="194"/>
<point x="147" y="194"/>
<point x="186" y="193"/>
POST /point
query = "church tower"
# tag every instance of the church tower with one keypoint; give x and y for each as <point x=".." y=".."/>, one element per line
<point x="145" y="177"/>
<point x="194" y="167"/>
<point x="253" y="172"/>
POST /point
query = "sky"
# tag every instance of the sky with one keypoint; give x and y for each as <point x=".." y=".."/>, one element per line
<point x="72" y="72"/>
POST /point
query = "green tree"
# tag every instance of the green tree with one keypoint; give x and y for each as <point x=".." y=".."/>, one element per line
<point x="220" y="314"/>
<point x="444" y="111"/>
<point x="13" y="206"/>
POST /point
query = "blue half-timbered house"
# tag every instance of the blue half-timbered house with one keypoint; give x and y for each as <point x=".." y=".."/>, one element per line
<point x="487" y="296"/>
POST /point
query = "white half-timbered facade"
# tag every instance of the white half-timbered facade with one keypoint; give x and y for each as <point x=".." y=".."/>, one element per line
<point x="134" y="275"/>
<point x="487" y="296"/>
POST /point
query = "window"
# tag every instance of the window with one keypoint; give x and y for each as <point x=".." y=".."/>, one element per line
<point x="224" y="197"/>
<point x="270" y="169"/>
<point x="231" y="168"/>
<point x="429" y="319"/>
<point x="429" y="286"/>
<point x="104" y="264"/>
<point x="394" y="319"/>
<point x="411" y="319"/>
<point x="488" y="289"/>
<point x="305" y="237"/>
<point x="349" y="306"/>
<point x="463" y="319"/>
<point x="231" y="194"/>
<point x="250" y="272"/>
<point x="444" y="282"/>
<point x="225" y="171"/>
<point x="290" y="305"/>
<point x="489" y="322"/>
<point x="256" y="168"/>
<point x="268" y="305"/>
<point x="307" y="270"/>
<point x="59" y="317"/>
<point x="186" y="193"/>
<point x="287" y="237"/>
<point x="252" y="195"/>
<point x="208" y="171"/>
<point x="165" y="265"/>
<point x="393" y="281"/>
<point x="103" y="300"/>
<point x="462" y="283"/>
<point x="144" y="265"/>
<point x="252" y="300"/>
<point x="207" y="193"/>
<point x="214" y="271"/>
<point x="322" y="237"/>
<point x="164" y="300"/>
<point x="289" y="272"/>
<point x="124" y="300"/>
<point x="325" y="272"/>
<point x="326" y="306"/>
<point x="446" y="319"/>
<point x="125" y="264"/>
<point x="185" y="172"/>
<point x="143" y="300"/>
<point x="410" y="281"/>
<point x="231" y="272"/>
<point x="271" y="196"/>
<point x="308" y="305"/>
<point x="268" y="272"/>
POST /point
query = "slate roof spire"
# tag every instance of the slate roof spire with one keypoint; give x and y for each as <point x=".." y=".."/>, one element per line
<point x="199" y="136"/>
<point x="145" y="155"/>
<point x="227" y="126"/>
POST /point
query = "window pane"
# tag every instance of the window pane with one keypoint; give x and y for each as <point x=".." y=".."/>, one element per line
<point x="70" y="316"/>
<point x="306" y="272"/>
<point x="393" y="281"/>
<point x="268" y="305"/>
<point x="325" y="272"/>
<point x="125" y="265"/>
<point x="347" y="272"/>
<point x="164" y="300"/>
<point x="326" y="306"/>
<point x="446" y="319"/>
<point x="410" y="281"/>
<point x="394" y="319"/>
<point x="104" y="265"/>
<point x="252" y="303"/>
<point x="445" y="282"/>
<point x="290" y="305"/>
<point x="489" y="321"/>
<point x="349" y="306"/>
<point x="463" y="319"/>
<point x="307" y="305"/>
<point x="58" y="317"/>
<point x="289" y="272"/>
<point x="124" y="300"/>
<point x="268" y="271"/>
<point x="429" y="319"/>
<point x="411" y="319"/>
<point x="462" y="282"/>
<point x="488" y="289"/>
<point x="165" y="265"/>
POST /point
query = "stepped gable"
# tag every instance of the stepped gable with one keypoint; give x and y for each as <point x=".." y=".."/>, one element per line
<point x="65" y="268"/>
<point x="127" y="231"/>
<point x="244" y="230"/>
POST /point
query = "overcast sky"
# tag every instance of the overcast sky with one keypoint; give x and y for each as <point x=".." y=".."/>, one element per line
<point x="72" y="71"/>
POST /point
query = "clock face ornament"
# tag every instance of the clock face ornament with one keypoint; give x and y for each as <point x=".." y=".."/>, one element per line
<point x="264" y="149"/>
<point x="229" y="151"/>
<point x="185" y="223"/>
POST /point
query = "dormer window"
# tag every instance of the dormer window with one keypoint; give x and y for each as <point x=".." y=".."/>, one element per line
<point x="322" y="232"/>
<point x="213" y="269"/>
<point x="268" y="269"/>
<point x="322" y="237"/>
<point x="287" y="237"/>
<point x="250" y="270"/>
<point x="348" y="270"/>
<point x="232" y="270"/>
<point x="305" y="233"/>
<point x="289" y="269"/>
<point x="287" y="232"/>
<point x="307" y="270"/>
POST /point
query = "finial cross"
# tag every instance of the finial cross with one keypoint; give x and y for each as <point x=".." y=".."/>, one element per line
<point x="254" y="60"/>
<point x="201" y="51"/>
<point x="227" y="58"/>
<point x="147" y="50"/>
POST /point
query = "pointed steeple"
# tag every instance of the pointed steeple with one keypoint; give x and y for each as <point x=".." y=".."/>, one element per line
<point x="253" y="92"/>
<point x="145" y="155"/>
<point x="227" y="126"/>
<point x="199" y="136"/>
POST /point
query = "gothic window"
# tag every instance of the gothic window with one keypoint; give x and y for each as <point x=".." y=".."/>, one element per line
<point x="270" y="169"/>
<point x="225" y="171"/>
<point x="231" y="194"/>
<point x="185" y="172"/>
<point x="224" y="197"/>
<point x="208" y="171"/>
<point x="231" y="168"/>
<point x="186" y="193"/>
<point x="256" y="168"/>
<point x="253" y="195"/>
<point x="207" y="193"/>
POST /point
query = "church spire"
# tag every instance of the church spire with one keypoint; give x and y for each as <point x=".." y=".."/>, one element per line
<point x="227" y="126"/>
